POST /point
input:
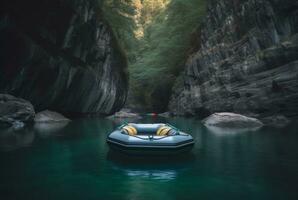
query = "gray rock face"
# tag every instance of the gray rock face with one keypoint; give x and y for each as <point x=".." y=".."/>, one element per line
<point x="61" y="55"/>
<point x="246" y="62"/>
<point x="14" y="111"/>
<point x="231" y="120"/>
<point x="47" y="116"/>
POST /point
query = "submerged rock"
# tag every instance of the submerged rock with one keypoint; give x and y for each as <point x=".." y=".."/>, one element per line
<point x="231" y="120"/>
<point x="245" y="60"/>
<point x="14" y="111"/>
<point x="49" y="117"/>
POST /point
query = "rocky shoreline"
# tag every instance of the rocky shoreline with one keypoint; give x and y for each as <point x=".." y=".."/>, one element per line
<point x="16" y="112"/>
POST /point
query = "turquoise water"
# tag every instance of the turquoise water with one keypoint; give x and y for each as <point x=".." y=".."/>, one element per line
<point x="73" y="162"/>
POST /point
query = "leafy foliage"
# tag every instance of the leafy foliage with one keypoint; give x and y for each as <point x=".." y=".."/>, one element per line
<point x="156" y="36"/>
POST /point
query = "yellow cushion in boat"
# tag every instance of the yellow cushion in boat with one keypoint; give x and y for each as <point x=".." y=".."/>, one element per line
<point x="130" y="130"/>
<point x="162" y="131"/>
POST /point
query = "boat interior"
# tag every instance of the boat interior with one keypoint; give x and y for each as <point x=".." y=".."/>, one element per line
<point x="149" y="129"/>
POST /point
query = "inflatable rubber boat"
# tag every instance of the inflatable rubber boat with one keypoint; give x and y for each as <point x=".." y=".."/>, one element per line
<point x="149" y="138"/>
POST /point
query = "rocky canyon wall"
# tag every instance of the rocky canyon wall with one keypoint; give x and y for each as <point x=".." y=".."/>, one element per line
<point x="61" y="55"/>
<point x="246" y="61"/>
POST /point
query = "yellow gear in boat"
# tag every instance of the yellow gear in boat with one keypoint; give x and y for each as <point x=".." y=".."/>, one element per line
<point x="162" y="131"/>
<point x="130" y="130"/>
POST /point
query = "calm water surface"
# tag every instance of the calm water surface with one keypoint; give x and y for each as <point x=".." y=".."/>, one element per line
<point x="74" y="162"/>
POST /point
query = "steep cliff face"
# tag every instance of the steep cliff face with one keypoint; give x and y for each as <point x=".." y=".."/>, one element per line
<point x="61" y="55"/>
<point x="246" y="62"/>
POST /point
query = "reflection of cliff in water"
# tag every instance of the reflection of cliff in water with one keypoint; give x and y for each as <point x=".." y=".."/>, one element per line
<point x="11" y="139"/>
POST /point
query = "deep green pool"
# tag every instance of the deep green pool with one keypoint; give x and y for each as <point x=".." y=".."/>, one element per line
<point x="73" y="162"/>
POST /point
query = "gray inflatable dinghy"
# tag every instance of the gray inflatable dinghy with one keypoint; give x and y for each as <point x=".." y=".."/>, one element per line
<point x="150" y="138"/>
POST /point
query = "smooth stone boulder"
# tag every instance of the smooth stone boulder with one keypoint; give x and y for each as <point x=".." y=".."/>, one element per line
<point x="125" y="114"/>
<point x="165" y="114"/>
<point x="14" y="111"/>
<point x="231" y="120"/>
<point x="49" y="117"/>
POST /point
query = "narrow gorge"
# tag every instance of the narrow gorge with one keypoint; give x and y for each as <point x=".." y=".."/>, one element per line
<point x="241" y="56"/>
<point x="188" y="57"/>
<point x="157" y="36"/>
<point x="148" y="99"/>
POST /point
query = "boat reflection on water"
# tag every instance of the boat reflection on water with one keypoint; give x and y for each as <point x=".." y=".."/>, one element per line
<point x="152" y="167"/>
<point x="152" y="174"/>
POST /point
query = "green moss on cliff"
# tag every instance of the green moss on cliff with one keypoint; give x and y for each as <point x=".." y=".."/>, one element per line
<point x="156" y="35"/>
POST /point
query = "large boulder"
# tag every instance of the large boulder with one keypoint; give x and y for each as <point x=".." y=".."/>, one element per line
<point x="231" y="120"/>
<point x="47" y="116"/>
<point x="14" y="110"/>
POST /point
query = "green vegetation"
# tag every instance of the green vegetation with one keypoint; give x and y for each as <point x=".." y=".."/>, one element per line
<point x="156" y="36"/>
